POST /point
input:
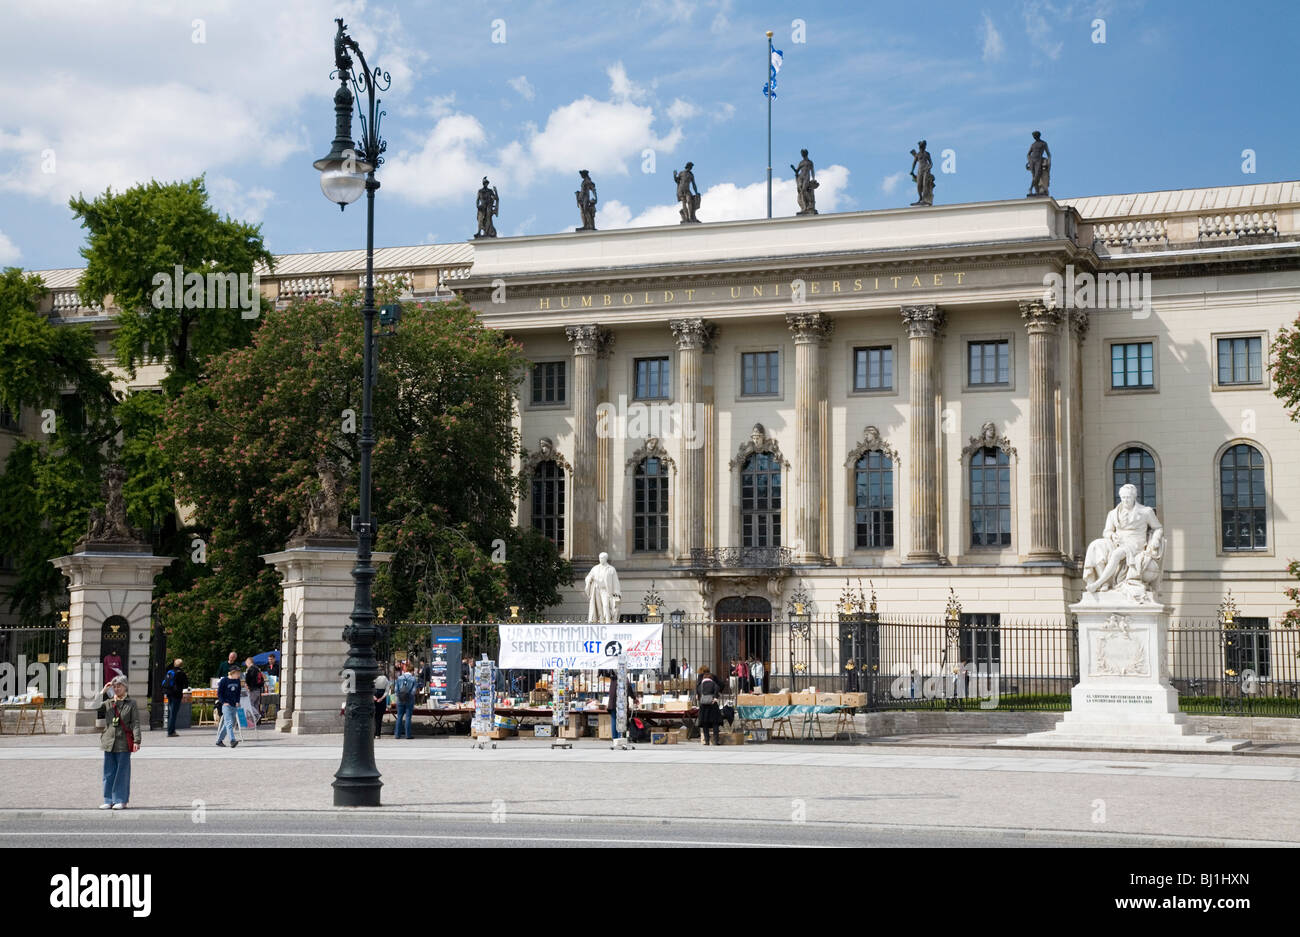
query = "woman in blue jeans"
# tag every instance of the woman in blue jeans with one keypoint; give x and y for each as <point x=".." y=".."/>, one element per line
<point x="121" y="737"/>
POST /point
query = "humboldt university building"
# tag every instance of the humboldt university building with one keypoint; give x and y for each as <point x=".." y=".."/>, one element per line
<point x="917" y="398"/>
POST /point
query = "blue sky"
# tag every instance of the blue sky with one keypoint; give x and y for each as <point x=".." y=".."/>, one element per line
<point x="101" y="94"/>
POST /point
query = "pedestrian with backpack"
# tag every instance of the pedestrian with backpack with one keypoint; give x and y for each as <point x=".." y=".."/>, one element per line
<point x="710" y="694"/>
<point x="404" y="688"/>
<point x="174" y="684"/>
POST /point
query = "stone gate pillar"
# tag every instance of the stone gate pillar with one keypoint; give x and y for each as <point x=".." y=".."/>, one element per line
<point x="318" y="589"/>
<point x="107" y="581"/>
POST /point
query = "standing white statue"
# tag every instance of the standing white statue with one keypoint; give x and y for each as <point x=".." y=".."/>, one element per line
<point x="1127" y="558"/>
<point x="603" y="591"/>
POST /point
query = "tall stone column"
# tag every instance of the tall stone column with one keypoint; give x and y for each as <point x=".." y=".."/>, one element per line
<point x="106" y="581"/>
<point x="1043" y="325"/>
<point x="1074" y="547"/>
<point x="588" y="341"/>
<point x="923" y="324"/>
<point x="318" y="592"/>
<point x="693" y="336"/>
<point x="812" y="331"/>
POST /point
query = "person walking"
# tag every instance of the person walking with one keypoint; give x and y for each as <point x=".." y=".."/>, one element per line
<point x="121" y="737"/>
<point x="174" y="684"/>
<point x="404" y="688"/>
<point x="255" y="680"/>
<point x="228" y="704"/>
<point x="710" y="693"/>
<point x="381" y="701"/>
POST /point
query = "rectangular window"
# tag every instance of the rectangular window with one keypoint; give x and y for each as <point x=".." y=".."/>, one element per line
<point x="760" y="373"/>
<point x="981" y="640"/>
<point x="990" y="363"/>
<point x="873" y="368"/>
<point x="1241" y="360"/>
<point x="652" y="379"/>
<point x="1132" y="365"/>
<point x="548" y="383"/>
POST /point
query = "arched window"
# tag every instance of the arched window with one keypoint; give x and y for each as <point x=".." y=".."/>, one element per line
<point x="548" y="501"/>
<point x="874" y="500"/>
<point x="1135" y="466"/>
<point x="650" y="505"/>
<point x="760" y="501"/>
<point x="990" y="498"/>
<point x="1242" y="499"/>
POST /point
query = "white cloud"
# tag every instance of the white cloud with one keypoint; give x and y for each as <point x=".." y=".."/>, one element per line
<point x="141" y="124"/>
<point x="681" y="111"/>
<point x="523" y="226"/>
<point x="521" y="85"/>
<point x="242" y="204"/>
<point x="725" y="112"/>
<point x="890" y="182"/>
<point x="1039" y="29"/>
<point x="602" y="136"/>
<point x="727" y="201"/>
<point x="9" y="252"/>
<point x="722" y="19"/>
<point x="994" y="47"/>
<point x="622" y="87"/>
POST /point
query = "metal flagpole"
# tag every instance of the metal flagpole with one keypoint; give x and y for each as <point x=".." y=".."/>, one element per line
<point x="770" y="89"/>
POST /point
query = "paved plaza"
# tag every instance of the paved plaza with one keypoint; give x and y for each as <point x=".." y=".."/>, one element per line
<point x="953" y="790"/>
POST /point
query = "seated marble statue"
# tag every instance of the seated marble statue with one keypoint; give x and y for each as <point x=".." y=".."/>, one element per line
<point x="1128" y="556"/>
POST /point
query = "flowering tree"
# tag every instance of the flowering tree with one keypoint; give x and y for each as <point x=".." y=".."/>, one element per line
<point x="247" y="439"/>
<point x="1285" y="368"/>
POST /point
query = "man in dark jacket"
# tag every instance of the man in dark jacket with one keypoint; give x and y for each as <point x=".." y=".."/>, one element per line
<point x="228" y="705"/>
<point x="175" y="683"/>
<point x="255" y="682"/>
<point x="710" y="693"/>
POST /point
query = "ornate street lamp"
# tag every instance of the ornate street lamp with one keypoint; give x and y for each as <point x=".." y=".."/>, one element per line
<point x="346" y="171"/>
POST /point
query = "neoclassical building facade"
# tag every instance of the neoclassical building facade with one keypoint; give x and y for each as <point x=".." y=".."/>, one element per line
<point x="737" y="411"/>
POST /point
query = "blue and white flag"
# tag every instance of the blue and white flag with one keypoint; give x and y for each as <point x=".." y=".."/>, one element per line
<point x="777" y="56"/>
<point x="769" y="89"/>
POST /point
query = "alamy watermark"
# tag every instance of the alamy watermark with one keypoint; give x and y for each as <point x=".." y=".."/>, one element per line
<point x="662" y="421"/>
<point x="180" y="290"/>
<point x="1099" y="291"/>
<point x="955" y="681"/>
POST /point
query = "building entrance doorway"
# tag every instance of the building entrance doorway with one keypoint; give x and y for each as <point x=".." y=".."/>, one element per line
<point x="744" y="632"/>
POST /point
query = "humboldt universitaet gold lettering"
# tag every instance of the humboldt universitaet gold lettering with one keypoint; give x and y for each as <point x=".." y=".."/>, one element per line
<point x="756" y="291"/>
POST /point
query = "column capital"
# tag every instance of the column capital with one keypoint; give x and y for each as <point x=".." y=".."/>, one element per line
<point x="590" y="339"/>
<point x="693" y="333"/>
<point x="810" y="327"/>
<point x="1079" y="324"/>
<point x="1039" y="317"/>
<point x="922" y="321"/>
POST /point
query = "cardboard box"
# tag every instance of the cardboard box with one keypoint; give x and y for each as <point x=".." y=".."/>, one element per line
<point x="543" y="732"/>
<point x="776" y="699"/>
<point x="756" y="735"/>
<point x="676" y="706"/>
<point x="828" y="699"/>
<point x="658" y="737"/>
<point x="683" y="734"/>
<point x="750" y="699"/>
<point x="803" y="699"/>
<point x="732" y="738"/>
<point x="498" y="733"/>
<point x="853" y="699"/>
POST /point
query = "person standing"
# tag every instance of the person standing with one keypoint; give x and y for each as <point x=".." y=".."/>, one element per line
<point x="255" y="681"/>
<point x="120" y="738"/>
<point x="709" y="693"/>
<point x="227" y="704"/>
<point x="174" y="684"/>
<point x="757" y="672"/>
<point x="112" y="666"/>
<point x="381" y="702"/>
<point x="232" y="661"/>
<point x="404" y="688"/>
<point x="687" y="672"/>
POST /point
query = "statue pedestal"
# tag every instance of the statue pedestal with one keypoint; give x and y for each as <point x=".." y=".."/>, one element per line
<point x="110" y="589"/>
<point x="1123" y="699"/>
<point x="318" y="590"/>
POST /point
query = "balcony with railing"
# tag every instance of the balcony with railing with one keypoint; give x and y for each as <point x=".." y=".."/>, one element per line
<point x="741" y="558"/>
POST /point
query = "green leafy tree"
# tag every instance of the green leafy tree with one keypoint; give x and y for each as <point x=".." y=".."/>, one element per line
<point x="247" y="442"/>
<point x="147" y="232"/>
<point x="52" y="480"/>
<point x="1285" y="369"/>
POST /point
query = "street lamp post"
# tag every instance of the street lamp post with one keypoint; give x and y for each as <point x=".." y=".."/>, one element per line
<point x="346" y="171"/>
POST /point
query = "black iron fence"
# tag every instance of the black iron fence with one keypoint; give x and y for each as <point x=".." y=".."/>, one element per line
<point x="34" y="659"/>
<point x="979" y="662"/>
